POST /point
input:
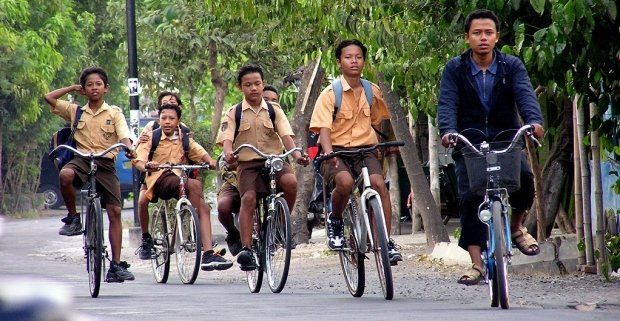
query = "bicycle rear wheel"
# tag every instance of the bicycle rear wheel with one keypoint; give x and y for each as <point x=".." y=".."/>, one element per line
<point x="255" y="277"/>
<point x="94" y="245"/>
<point x="278" y="246"/>
<point x="351" y="258"/>
<point x="188" y="246"/>
<point x="381" y="249"/>
<point x="499" y="282"/>
<point x="159" y="231"/>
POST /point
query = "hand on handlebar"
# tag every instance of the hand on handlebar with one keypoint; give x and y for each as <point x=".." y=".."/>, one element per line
<point x="151" y="166"/>
<point x="130" y="153"/>
<point x="539" y="131"/>
<point x="302" y="159"/>
<point x="448" y="140"/>
<point x="231" y="157"/>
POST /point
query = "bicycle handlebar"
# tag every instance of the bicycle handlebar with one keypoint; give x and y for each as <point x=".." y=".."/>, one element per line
<point x="364" y="150"/>
<point x="263" y="155"/>
<point x="182" y="166"/>
<point x="526" y="129"/>
<point x="90" y="155"/>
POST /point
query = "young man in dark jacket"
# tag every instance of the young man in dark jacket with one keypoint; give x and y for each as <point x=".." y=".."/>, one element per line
<point x="487" y="90"/>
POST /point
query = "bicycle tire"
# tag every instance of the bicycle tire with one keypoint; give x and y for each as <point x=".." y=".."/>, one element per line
<point x="277" y="250"/>
<point x="500" y="276"/>
<point x="380" y="249"/>
<point x="188" y="246"/>
<point x="94" y="240"/>
<point x="351" y="258"/>
<point x="161" y="243"/>
<point x="255" y="277"/>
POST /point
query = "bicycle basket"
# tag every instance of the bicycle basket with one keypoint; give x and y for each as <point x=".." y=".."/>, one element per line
<point x="504" y="170"/>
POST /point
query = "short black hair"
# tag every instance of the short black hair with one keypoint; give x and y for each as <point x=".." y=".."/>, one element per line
<point x="170" y="106"/>
<point x="93" y="70"/>
<point x="481" y="14"/>
<point x="168" y="93"/>
<point x="345" y="43"/>
<point x="249" y="69"/>
<point x="271" y="88"/>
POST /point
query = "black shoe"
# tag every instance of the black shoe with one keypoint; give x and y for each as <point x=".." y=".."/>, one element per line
<point x="335" y="241"/>
<point x="246" y="260"/>
<point x="234" y="243"/>
<point x="393" y="253"/>
<point x="118" y="273"/>
<point x="73" y="225"/>
<point x="213" y="261"/>
<point x="146" y="249"/>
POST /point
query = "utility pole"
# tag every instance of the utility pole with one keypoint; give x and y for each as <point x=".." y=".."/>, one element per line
<point x="133" y="85"/>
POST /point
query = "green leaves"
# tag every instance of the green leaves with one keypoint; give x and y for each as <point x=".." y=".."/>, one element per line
<point x="538" y="5"/>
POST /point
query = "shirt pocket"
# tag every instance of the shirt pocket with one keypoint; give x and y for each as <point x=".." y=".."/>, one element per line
<point x="343" y="115"/>
<point x="107" y="131"/>
<point x="268" y="130"/>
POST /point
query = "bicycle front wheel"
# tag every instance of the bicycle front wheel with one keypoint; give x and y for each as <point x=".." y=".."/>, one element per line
<point x="159" y="231"/>
<point x="188" y="246"/>
<point x="381" y="249"/>
<point x="499" y="282"/>
<point x="94" y="246"/>
<point x="351" y="258"/>
<point x="278" y="246"/>
<point x="255" y="277"/>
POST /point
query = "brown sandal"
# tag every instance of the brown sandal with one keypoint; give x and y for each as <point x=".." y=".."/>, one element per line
<point x="525" y="242"/>
<point x="473" y="276"/>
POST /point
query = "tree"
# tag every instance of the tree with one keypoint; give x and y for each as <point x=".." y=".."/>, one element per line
<point x="42" y="46"/>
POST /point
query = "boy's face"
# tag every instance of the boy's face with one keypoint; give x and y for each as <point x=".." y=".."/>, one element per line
<point x="351" y="62"/>
<point x="169" y="121"/>
<point x="94" y="87"/>
<point x="482" y="36"/>
<point x="252" y="88"/>
<point x="270" y="96"/>
<point x="169" y="100"/>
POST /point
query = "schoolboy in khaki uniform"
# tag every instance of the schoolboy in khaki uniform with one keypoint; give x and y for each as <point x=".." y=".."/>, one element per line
<point x="257" y="129"/>
<point x="165" y="184"/>
<point x="99" y="127"/>
<point x="352" y="127"/>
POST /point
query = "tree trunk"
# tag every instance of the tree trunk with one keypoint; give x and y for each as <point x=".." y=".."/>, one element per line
<point x="585" y="189"/>
<point x="433" y="226"/>
<point x="416" y="218"/>
<point x="1" y="161"/>
<point x="540" y="209"/>
<point x="221" y="89"/>
<point x="433" y="161"/>
<point x="561" y="219"/>
<point x="599" y="213"/>
<point x="555" y="175"/>
<point x="577" y="184"/>
<point x="394" y="193"/>
<point x="308" y="93"/>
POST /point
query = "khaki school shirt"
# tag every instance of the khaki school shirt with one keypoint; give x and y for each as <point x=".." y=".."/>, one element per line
<point x="255" y="129"/>
<point x="169" y="150"/>
<point x="95" y="131"/>
<point x="352" y="125"/>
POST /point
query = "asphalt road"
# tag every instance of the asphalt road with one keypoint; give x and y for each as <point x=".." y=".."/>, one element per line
<point x="32" y="253"/>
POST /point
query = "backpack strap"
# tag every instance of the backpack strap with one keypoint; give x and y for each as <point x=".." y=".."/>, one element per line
<point x="185" y="140"/>
<point x="239" y="110"/>
<point x="78" y="115"/>
<point x="155" y="138"/>
<point x="337" y="89"/>
<point x="155" y="125"/>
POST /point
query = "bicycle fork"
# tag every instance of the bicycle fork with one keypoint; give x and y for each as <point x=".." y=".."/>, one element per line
<point x="366" y="195"/>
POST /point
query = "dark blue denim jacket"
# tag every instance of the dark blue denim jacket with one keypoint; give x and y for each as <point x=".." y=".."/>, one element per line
<point x="460" y="107"/>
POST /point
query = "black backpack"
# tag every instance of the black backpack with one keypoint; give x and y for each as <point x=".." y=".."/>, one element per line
<point x="64" y="136"/>
<point x="156" y="137"/>
<point x="239" y="109"/>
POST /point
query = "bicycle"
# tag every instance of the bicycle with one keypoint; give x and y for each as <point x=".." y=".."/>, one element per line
<point x="502" y="168"/>
<point x="184" y="228"/>
<point x="360" y="236"/>
<point x="271" y="235"/>
<point x="95" y="251"/>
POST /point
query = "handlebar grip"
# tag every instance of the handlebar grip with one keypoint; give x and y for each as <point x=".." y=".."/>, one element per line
<point x="392" y="144"/>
